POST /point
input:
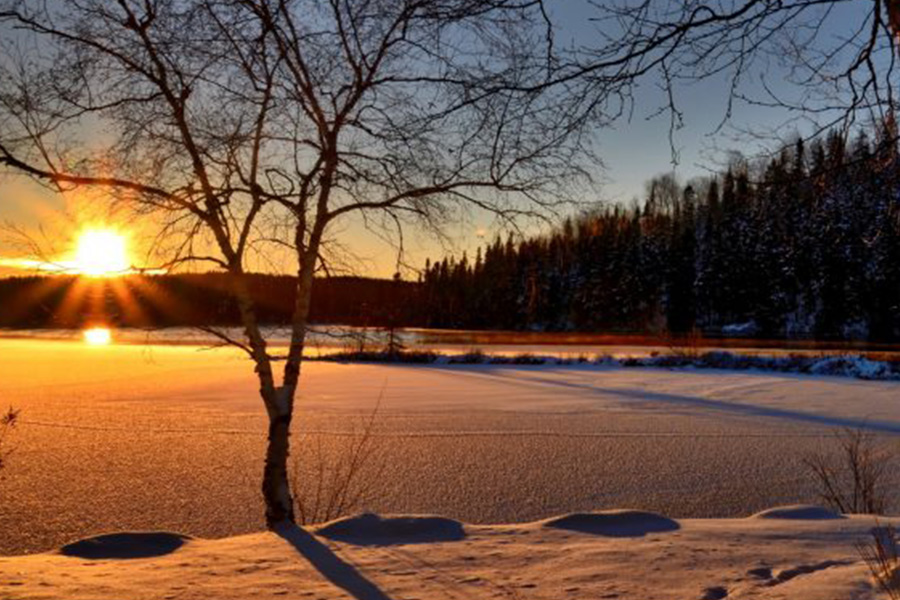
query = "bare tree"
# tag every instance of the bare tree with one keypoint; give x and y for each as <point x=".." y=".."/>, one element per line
<point x="246" y="129"/>
<point x="826" y="62"/>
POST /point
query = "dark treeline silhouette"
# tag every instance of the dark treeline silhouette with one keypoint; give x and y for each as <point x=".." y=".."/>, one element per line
<point x="806" y="244"/>
<point x="194" y="300"/>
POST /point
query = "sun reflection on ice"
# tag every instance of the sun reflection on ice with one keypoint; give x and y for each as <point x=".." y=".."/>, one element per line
<point x="97" y="336"/>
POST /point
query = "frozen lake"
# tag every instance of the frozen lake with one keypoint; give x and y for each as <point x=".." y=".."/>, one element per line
<point x="171" y="437"/>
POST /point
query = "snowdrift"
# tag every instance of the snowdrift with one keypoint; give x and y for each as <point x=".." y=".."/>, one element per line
<point x="786" y="552"/>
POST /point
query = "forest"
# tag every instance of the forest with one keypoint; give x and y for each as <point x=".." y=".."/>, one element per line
<point x="804" y="244"/>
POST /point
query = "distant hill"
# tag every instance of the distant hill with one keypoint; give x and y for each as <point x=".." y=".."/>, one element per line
<point x="197" y="299"/>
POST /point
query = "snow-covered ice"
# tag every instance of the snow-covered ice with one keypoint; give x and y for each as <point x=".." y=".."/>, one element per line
<point x="126" y="438"/>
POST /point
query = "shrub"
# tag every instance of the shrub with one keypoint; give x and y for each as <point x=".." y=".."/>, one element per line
<point x="338" y="473"/>
<point x="518" y="359"/>
<point x="854" y="482"/>
<point x="880" y="555"/>
<point x="383" y="356"/>
<point x="472" y="357"/>
<point x="685" y="345"/>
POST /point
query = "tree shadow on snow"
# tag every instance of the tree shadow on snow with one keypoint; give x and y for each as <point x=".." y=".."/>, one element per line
<point x="330" y="565"/>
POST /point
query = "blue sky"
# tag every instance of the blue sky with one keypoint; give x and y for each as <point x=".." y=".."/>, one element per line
<point x="633" y="151"/>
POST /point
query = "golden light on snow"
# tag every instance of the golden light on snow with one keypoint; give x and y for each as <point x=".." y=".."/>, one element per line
<point x="101" y="253"/>
<point x="97" y="336"/>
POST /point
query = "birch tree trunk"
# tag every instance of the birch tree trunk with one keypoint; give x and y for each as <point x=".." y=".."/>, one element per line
<point x="276" y="488"/>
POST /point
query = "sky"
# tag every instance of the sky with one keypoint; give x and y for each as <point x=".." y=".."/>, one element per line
<point x="633" y="151"/>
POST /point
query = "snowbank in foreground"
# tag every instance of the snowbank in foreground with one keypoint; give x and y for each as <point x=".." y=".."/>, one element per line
<point x="793" y="552"/>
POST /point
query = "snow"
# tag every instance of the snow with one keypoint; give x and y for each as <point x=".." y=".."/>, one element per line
<point x="851" y="366"/>
<point x="372" y="529"/>
<point x="798" y="511"/>
<point x="131" y="459"/>
<point x="855" y="366"/>
<point x="614" y="523"/>
<point x="749" y="328"/>
<point x="110" y="546"/>
<point x="126" y="438"/>
<point x="692" y="559"/>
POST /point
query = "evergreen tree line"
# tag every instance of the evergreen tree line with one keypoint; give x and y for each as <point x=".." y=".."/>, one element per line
<point x="806" y="244"/>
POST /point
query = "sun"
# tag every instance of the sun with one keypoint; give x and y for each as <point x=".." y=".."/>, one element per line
<point x="101" y="253"/>
<point x="97" y="336"/>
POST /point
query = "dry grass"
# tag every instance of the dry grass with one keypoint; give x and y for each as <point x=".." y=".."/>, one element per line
<point x="531" y="338"/>
<point x="336" y="474"/>
<point x="475" y="356"/>
<point x="853" y="482"/>
<point x="689" y="345"/>
<point x="7" y="422"/>
<point x="880" y="555"/>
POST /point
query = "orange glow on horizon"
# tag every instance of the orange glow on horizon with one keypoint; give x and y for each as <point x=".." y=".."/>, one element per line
<point x="97" y="252"/>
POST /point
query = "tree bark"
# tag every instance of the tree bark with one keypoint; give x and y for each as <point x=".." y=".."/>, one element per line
<point x="275" y="487"/>
<point x="279" y="403"/>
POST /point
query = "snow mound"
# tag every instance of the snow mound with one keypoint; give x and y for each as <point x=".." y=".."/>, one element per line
<point x="799" y="512"/>
<point x="851" y="366"/>
<point x="371" y="529"/>
<point x="615" y="523"/>
<point x="846" y="365"/>
<point x="141" y="544"/>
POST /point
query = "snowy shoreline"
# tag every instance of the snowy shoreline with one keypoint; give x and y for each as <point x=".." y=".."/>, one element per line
<point x="842" y="365"/>
<point x="330" y="344"/>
